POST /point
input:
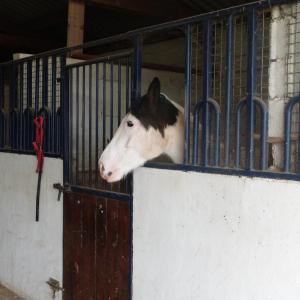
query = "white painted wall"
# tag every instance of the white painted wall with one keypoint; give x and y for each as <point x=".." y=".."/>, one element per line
<point x="202" y="236"/>
<point x="30" y="252"/>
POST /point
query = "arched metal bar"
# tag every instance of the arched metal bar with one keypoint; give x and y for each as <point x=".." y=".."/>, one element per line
<point x="263" y="131"/>
<point x="288" y="126"/>
<point x="199" y="107"/>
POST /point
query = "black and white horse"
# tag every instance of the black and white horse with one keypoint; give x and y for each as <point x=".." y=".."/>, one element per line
<point x="153" y="126"/>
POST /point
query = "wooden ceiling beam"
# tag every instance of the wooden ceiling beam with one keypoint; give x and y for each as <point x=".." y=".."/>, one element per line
<point x="76" y="11"/>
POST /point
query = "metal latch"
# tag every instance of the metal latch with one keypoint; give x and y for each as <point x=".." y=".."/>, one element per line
<point x="54" y="286"/>
<point x="60" y="189"/>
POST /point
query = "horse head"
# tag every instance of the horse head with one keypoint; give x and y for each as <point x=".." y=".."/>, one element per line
<point x="153" y="126"/>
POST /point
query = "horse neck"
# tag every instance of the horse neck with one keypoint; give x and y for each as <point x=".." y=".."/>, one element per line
<point x="175" y="139"/>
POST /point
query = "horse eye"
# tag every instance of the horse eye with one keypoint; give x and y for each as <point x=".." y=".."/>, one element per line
<point x="129" y="124"/>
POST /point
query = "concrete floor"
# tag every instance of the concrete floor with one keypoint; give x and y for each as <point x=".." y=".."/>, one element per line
<point x="6" y="294"/>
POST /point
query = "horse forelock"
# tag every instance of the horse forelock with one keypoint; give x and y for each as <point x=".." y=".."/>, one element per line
<point x="158" y="116"/>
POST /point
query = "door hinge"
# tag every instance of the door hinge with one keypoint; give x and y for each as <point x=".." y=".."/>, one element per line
<point x="61" y="189"/>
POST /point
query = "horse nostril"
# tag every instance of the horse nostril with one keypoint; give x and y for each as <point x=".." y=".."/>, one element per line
<point x="109" y="173"/>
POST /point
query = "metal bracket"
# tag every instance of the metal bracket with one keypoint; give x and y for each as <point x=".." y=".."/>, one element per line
<point x="54" y="286"/>
<point x="60" y="189"/>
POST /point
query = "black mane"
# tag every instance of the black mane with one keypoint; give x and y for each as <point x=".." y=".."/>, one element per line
<point x="158" y="115"/>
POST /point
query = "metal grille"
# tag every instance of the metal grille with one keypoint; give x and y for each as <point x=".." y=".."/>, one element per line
<point x="239" y="73"/>
<point x="31" y="88"/>
<point x="100" y="94"/>
<point x="293" y="61"/>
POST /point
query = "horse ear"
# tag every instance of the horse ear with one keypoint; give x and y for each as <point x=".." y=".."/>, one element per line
<point x="154" y="91"/>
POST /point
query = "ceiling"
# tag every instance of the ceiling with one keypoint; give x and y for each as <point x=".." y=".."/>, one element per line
<point x="32" y="26"/>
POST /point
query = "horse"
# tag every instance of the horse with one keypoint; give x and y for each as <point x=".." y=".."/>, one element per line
<point x="154" y="125"/>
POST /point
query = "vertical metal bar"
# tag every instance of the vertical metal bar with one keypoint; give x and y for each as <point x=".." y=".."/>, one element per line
<point x="238" y="141"/>
<point x="97" y="124"/>
<point x="251" y="80"/>
<point x="228" y="97"/>
<point x="137" y="67"/>
<point x="196" y="133"/>
<point x="45" y="81"/>
<point x="288" y="127"/>
<point x="77" y="127"/>
<point x="127" y="84"/>
<point x="63" y="95"/>
<point x="264" y="138"/>
<point x="206" y="90"/>
<point x="21" y="133"/>
<point x="71" y="97"/>
<point x="104" y="107"/>
<point x="239" y="108"/>
<point x="37" y="86"/>
<point x="53" y="104"/>
<point x="65" y="118"/>
<point x="2" y="120"/>
<point x="111" y="100"/>
<point x="187" y="92"/>
<point x="119" y="91"/>
<point x="90" y="124"/>
<point x="1" y="88"/>
<point x="29" y="121"/>
<point x="217" y="138"/>
<point x="83" y="127"/>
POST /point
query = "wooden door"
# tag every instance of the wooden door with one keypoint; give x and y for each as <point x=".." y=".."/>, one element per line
<point x="96" y="248"/>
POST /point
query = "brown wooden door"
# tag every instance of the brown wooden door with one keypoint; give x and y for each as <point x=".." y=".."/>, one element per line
<point x="96" y="248"/>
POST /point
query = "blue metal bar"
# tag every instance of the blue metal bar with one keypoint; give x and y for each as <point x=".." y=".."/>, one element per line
<point x="2" y="117"/>
<point x="29" y="83"/>
<point x="137" y="67"/>
<point x="21" y="133"/>
<point x="104" y="108"/>
<point x="239" y="108"/>
<point x="71" y="99"/>
<point x="197" y="109"/>
<point x="111" y="115"/>
<point x="37" y="86"/>
<point x="127" y="84"/>
<point x="251" y="81"/>
<point x="288" y="126"/>
<point x="187" y="92"/>
<point x="206" y="90"/>
<point x="65" y="130"/>
<point x="29" y="114"/>
<point x="228" y="97"/>
<point x="45" y="81"/>
<point x="224" y="171"/>
<point x="90" y="124"/>
<point x="77" y="126"/>
<point x="63" y="94"/>
<point x="97" y="124"/>
<point x="14" y="107"/>
<point x="119" y="92"/>
<point x="83" y="128"/>
<point x="216" y="107"/>
<point x="263" y="132"/>
<point x="53" y="103"/>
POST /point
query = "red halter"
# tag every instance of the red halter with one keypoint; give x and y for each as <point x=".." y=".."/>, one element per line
<point x="38" y="143"/>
